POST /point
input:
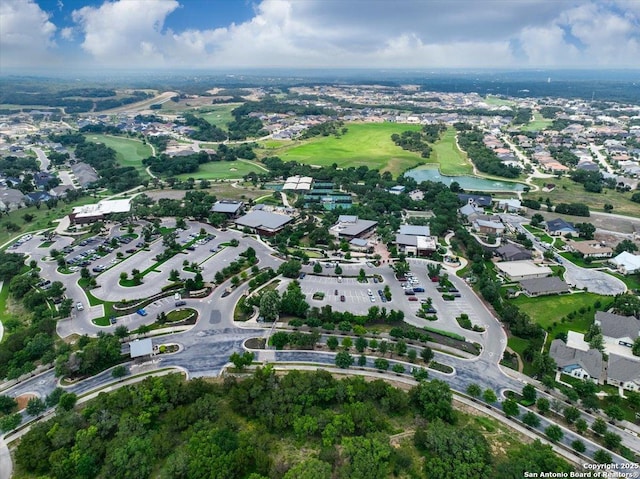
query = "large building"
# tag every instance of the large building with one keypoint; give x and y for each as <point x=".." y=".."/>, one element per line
<point x="544" y="286"/>
<point x="519" y="270"/>
<point x="578" y="361"/>
<point x="349" y="226"/>
<point x="626" y="263"/>
<point x="230" y="208"/>
<point x="416" y="240"/>
<point x="87" y="214"/>
<point x="264" y="222"/>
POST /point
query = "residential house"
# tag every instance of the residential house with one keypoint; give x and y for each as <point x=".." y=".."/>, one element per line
<point x="626" y="263"/>
<point x="544" y="286"/>
<point x="513" y="252"/>
<point x="488" y="226"/>
<point x="512" y="205"/>
<point x="590" y="249"/>
<point x="617" y="329"/>
<point x="560" y="227"/>
<point x="624" y="372"/>
<point x="579" y="362"/>
<point x="481" y="201"/>
<point x="11" y="199"/>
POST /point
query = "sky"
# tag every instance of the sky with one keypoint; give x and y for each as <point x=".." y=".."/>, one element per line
<point x="91" y="36"/>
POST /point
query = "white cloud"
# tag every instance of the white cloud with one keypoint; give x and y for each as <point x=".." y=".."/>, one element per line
<point x="67" y="33"/>
<point x="26" y="34"/>
<point x="375" y="33"/>
<point x="125" y="33"/>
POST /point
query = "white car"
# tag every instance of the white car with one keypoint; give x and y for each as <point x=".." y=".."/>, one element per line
<point x="79" y="306"/>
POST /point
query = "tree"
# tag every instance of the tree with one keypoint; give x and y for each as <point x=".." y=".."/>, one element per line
<point x="361" y="344"/>
<point x="536" y="219"/>
<point x="426" y="354"/>
<point x="530" y="419"/>
<point x="366" y="457"/>
<point x="543" y="364"/>
<point x="121" y="332"/>
<point x="35" y="406"/>
<point x="347" y="343"/>
<point x="332" y="343"/>
<point x="290" y="269"/>
<point x="279" y="339"/>
<point x="510" y="408"/>
<point x="581" y="426"/>
<point x="362" y="360"/>
<point x="309" y="469"/>
<point x="635" y="349"/>
<point x="585" y="230"/>
<point x="412" y="355"/>
<point x="344" y="359"/>
<point x="625" y="245"/>
<point x="615" y="412"/>
<point x="599" y="426"/>
<point x="578" y="446"/>
<point x="554" y="433"/>
<point x="383" y="347"/>
<point x="434" y="400"/>
<point x="529" y="393"/>
<point x="398" y="368"/>
<point x="293" y="301"/>
<point x="270" y="305"/>
<point x="489" y="396"/>
<point x="401" y="348"/>
<point x="474" y="390"/>
<point x="571" y="414"/>
<point x="338" y="270"/>
<point x="317" y="268"/>
<point x="7" y="404"/>
<point x="67" y="401"/>
<point x="9" y="423"/>
<point x="602" y="457"/>
<point x="611" y="440"/>
<point x="119" y="371"/>
<point x="381" y="364"/>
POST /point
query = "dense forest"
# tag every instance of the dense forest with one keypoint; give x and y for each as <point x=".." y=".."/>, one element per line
<point x="300" y="425"/>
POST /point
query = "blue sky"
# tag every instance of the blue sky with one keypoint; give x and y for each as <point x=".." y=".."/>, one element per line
<point x="94" y="35"/>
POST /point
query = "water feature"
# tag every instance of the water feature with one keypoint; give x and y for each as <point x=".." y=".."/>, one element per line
<point x="470" y="183"/>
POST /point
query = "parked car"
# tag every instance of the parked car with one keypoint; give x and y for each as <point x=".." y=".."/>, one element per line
<point x="79" y="306"/>
<point x="335" y="292"/>
<point x="409" y="292"/>
<point x="342" y="298"/>
<point x="112" y="320"/>
<point x="431" y="311"/>
<point x="418" y="289"/>
<point x="142" y="312"/>
<point x="180" y="303"/>
<point x="413" y="298"/>
<point x="302" y="275"/>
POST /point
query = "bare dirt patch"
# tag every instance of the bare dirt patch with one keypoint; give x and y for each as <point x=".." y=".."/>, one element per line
<point x="23" y="399"/>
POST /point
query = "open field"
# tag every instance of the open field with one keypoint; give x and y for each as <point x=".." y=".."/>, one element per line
<point x="567" y="191"/>
<point x="548" y="311"/>
<point x="221" y="189"/>
<point x="218" y="115"/>
<point x="129" y="152"/>
<point x="538" y="123"/>
<point x="496" y="101"/>
<point x="452" y="160"/>
<point x="223" y="170"/>
<point x="365" y="144"/>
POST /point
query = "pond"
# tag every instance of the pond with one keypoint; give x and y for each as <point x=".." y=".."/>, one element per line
<point x="469" y="183"/>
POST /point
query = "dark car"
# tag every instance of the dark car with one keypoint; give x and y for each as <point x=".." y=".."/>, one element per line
<point x="419" y="289"/>
<point x="336" y="292"/>
<point x="180" y="303"/>
<point x="302" y="275"/>
<point x="431" y="310"/>
<point x="191" y="248"/>
<point x="342" y="298"/>
<point x="413" y="298"/>
<point x="131" y="251"/>
<point x="112" y="320"/>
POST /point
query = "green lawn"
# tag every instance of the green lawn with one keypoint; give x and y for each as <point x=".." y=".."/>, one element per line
<point x="218" y="115"/>
<point x="494" y="100"/>
<point x="518" y="345"/>
<point x="548" y="311"/>
<point x="632" y="281"/>
<point x="223" y="170"/>
<point x="538" y="123"/>
<point x="540" y="234"/>
<point x="581" y="262"/>
<point x="446" y="152"/>
<point x="365" y="144"/>
<point x="567" y="191"/>
<point x="129" y="152"/>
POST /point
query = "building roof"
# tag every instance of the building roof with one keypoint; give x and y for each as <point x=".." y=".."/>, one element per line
<point x="227" y="206"/>
<point x="560" y="225"/>
<point x="298" y="183"/>
<point x="264" y="220"/>
<point x="104" y="207"/>
<point x="496" y="225"/>
<point x="414" y="230"/>
<point x="360" y="243"/>
<point x="469" y="209"/>
<point x="347" y="219"/>
<point x="406" y="240"/>
<point x="587" y="248"/>
<point x="616" y="326"/>
<point x="480" y="200"/>
<point x="623" y="369"/>
<point x="510" y="252"/>
<point x="141" y="347"/>
<point x="549" y="285"/>
<point x="510" y="203"/>
<point x="522" y="268"/>
<point x="355" y="229"/>
<point x="576" y="340"/>
<point x="590" y="361"/>
<point x="629" y="261"/>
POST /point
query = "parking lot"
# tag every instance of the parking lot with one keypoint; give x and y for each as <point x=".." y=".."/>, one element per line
<point x="356" y="295"/>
